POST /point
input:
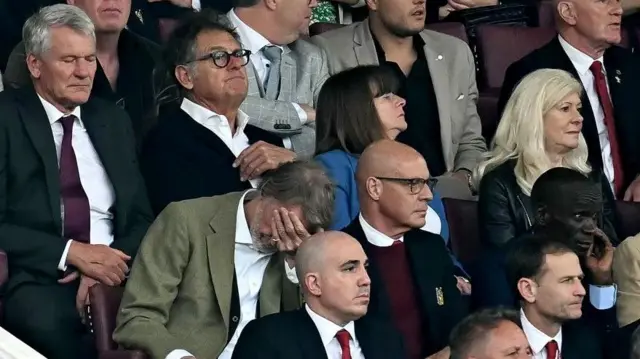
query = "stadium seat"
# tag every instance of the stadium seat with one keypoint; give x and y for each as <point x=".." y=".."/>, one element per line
<point x="462" y="216"/>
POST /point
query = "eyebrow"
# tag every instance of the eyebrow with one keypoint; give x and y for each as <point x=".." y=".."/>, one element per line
<point x="219" y="48"/>
<point x="351" y="262"/>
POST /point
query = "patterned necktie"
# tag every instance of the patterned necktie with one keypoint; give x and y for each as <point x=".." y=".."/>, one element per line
<point x="552" y="350"/>
<point x="274" y="55"/>
<point x="76" y="216"/>
<point x="343" y="337"/>
<point x="609" y="121"/>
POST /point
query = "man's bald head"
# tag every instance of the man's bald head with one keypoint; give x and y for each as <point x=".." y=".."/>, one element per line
<point x="331" y="268"/>
<point x="382" y="158"/>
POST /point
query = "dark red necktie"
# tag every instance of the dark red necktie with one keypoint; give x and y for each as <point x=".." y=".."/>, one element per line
<point x="76" y="217"/>
<point x="396" y="242"/>
<point x="343" y="337"/>
<point x="552" y="350"/>
<point x="609" y="121"/>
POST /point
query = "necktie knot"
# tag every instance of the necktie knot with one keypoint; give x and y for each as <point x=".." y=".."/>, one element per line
<point x="596" y="68"/>
<point x="552" y="350"/>
<point x="67" y="123"/>
<point x="396" y="242"/>
<point x="272" y="53"/>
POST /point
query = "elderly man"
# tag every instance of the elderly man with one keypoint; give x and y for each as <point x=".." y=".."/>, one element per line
<point x="490" y="334"/>
<point x="437" y="76"/>
<point x="72" y="201"/>
<point x="332" y="268"/>
<point x="545" y="273"/>
<point x="206" y="147"/>
<point x="412" y="275"/>
<point x="286" y="73"/>
<point x="209" y="266"/>
<point x="588" y="32"/>
<point x="125" y="62"/>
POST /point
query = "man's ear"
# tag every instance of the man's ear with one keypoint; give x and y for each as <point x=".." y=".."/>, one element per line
<point x="33" y="64"/>
<point x="528" y="289"/>
<point x="374" y="188"/>
<point x="372" y="5"/>
<point x="313" y="284"/>
<point x="566" y="11"/>
<point x="542" y="216"/>
<point x="184" y="77"/>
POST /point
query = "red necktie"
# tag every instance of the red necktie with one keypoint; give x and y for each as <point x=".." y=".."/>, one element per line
<point x="609" y="121"/>
<point x="552" y="350"/>
<point x="76" y="217"/>
<point x="343" y="337"/>
<point x="396" y="242"/>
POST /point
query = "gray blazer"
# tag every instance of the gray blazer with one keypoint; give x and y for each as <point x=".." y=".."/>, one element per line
<point x="304" y="70"/>
<point x="452" y="70"/>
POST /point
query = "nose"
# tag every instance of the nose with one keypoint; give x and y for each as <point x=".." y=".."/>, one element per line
<point x="313" y="3"/>
<point x="82" y="69"/>
<point x="364" y="281"/>
<point x="425" y="195"/>
<point x="579" y="290"/>
<point x="616" y="8"/>
<point x="400" y="101"/>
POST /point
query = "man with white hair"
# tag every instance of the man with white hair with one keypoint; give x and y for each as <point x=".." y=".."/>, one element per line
<point x="73" y="206"/>
<point x="586" y="47"/>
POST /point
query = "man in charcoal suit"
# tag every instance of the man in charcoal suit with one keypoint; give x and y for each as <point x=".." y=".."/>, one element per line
<point x="73" y="206"/>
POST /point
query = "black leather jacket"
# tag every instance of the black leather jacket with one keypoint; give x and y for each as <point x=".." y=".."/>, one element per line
<point x="505" y="212"/>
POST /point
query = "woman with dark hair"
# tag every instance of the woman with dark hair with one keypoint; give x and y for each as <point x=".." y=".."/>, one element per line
<point x="355" y="108"/>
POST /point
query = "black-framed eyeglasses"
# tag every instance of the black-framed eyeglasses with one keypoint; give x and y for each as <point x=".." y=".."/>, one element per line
<point x="415" y="184"/>
<point x="221" y="58"/>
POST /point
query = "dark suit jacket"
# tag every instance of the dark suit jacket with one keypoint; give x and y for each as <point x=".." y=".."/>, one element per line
<point x="580" y="341"/>
<point x="619" y="63"/>
<point x="30" y="218"/>
<point x="182" y="159"/>
<point x="432" y="268"/>
<point x="294" y="335"/>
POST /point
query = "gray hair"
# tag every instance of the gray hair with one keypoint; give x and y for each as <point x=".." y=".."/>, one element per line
<point x="475" y="329"/>
<point x="36" y="32"/>
<point x="302" y="183"/>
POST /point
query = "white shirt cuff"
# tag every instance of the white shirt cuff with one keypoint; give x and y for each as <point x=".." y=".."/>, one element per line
<point x="62" y="265"/>
<point x="302" y="114"/>
<point x="195" y="5"/>
<point x="287" y="143"/>
<point x="178" y="354"/>
<point x="291" y="274"/>
<point x="604" y="297"/>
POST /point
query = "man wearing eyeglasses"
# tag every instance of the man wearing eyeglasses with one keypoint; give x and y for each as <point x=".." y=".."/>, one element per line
<point x="412" y="275"/>
<point x="205" y="146"/>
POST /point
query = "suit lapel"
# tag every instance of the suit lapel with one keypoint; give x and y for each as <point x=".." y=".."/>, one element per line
<point x="255" y="87"/>
<point x="368" y="340"/>
<point x="309" y="341"/>
<point x="440" y="78"/>
<point x="220" y="250"/>
<point x="287" y="76"/>
<point x="363" y="46"/>
<point x="38" y="128"/>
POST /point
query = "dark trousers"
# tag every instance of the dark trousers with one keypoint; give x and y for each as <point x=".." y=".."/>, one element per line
<point x="45" y="318"/>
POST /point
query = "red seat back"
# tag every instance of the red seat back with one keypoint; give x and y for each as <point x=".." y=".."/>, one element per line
<point x="462" y="216"/>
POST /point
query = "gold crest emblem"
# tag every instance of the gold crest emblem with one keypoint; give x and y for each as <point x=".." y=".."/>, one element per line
<point x="439" y="296"/>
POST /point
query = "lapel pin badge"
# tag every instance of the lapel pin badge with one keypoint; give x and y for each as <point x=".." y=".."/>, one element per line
<point x="439" y="296"/>
<point x="439" y="57"/>
<point x="139" y="16"/>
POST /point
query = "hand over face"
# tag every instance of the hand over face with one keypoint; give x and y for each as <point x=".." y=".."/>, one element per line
<point x="102" y="263"/>
<point x="261" y="157"/>
<point x="599" y="258"/>
<point x="288" y="231"/>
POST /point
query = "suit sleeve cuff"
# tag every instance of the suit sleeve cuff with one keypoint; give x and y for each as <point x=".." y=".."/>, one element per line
<point x="195" y="5"/>
<point x="62" y="265"/>
<point x="603" y="298"/>
<point x="291" y="274"/>
<point x="302" y="115"/>
<point x="178" y="354"/>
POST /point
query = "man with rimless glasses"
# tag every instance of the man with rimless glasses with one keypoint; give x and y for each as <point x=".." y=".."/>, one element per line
<point x="412" y="274"/>
<point x="205" y="146"/>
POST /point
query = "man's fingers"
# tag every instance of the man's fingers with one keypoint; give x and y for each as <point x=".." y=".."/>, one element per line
<point x="69" y="278"/>
<point x="288" y="224"/>
<point x="242" y="157"/>
<point x="253" y="169"/>
<point x="297" y="224"/>
<point x="121" y="254"/>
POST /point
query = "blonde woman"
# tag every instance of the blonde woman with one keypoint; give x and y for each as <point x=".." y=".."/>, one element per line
<point x="540" y="129"/>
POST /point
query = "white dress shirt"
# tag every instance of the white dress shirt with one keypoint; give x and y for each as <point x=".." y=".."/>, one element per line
<point x="537" y="339"/>
<point x="93" y="177"/>
<point x="328" y="330"/>
<point x="250" y="266"/>
<point x="582" y="62"/>
<point x="376" y="237"/>
<point x="254" y="42"/>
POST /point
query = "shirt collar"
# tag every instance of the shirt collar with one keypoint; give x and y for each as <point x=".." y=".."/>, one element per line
<point x="327" y="328"/>
<point x="537" y="339"/>
<point x="205" y="117"/>
<point x="243" y="233"/>
<point x="374" y="236"/>
<point x="581" y="61"/>
<point x="53" y="114"/>
<point x="251" y="39"/>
